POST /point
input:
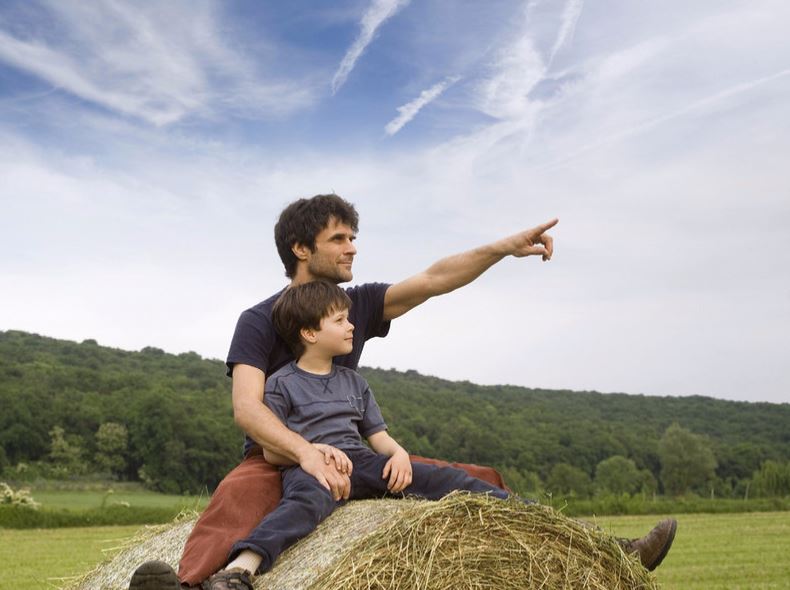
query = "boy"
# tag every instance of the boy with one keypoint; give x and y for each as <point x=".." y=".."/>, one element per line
<point x="333" y="408"/>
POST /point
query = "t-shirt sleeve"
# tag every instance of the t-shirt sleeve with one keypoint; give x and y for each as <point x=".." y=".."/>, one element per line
<point x="252" y="342"/>
<point x="368" y="299"/>
<point x="372" y="420"/>
<point x="276" y="399"/>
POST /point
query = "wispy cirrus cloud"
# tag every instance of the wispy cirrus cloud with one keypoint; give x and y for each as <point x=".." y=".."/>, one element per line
<point x="408" y="111"/>
<point x="155" y="62"/>
<point x="570" y="16"/>
<point x="378" y="12"/>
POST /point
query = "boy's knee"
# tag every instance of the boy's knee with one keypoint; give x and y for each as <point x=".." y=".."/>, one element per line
<point x="309" y="492"/>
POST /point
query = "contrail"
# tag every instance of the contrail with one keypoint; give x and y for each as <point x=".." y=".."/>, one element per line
<point x="570" y="16"/>
<point x="410" y="109"/>
<point x="377" y="13"/>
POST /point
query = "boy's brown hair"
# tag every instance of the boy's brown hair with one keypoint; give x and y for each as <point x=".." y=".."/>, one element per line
<point x="304" y="306"/>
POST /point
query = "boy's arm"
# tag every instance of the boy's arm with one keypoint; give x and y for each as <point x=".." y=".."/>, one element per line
<point x="456" y="271"/>
<point x="398" y="468"/>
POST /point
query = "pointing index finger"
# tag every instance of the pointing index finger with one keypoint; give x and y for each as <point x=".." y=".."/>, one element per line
<point x="544" y="227"/>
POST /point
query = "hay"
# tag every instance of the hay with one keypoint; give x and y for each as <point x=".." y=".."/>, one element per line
<point x="462" y="541"/>
<point x="473" y="541"/>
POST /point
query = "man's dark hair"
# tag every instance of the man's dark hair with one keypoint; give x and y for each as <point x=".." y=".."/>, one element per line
<point x="301" y="221"/>
<point x="304" y="306"/>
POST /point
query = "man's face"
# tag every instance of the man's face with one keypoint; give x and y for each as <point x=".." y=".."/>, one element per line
<point x="334" y="253"/>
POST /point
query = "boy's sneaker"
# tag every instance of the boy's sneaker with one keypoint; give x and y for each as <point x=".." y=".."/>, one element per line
<point x="232" y="579"/>
<point x="154" y="575"/>
<point x="654" y="546"/>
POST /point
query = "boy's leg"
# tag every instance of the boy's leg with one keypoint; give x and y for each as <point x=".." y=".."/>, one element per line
<point x="304" y="505"/>
<point x="428" y="481"/>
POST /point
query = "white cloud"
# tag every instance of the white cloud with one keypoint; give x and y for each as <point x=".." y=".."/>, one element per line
<point x="570" y="16"/>
<point x="156" y="62"/>
<point x="378" y="12"/>
<point x="408" y="111"/>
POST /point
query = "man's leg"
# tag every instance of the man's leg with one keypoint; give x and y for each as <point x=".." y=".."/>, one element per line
<point x="304" y="505"/>
<point x="247" y="494"/>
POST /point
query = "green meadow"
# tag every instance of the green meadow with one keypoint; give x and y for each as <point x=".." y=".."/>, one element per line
<point x="712" y="551"/>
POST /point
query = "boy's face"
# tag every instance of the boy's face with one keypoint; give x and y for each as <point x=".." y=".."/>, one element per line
<point x="336" y="336"/>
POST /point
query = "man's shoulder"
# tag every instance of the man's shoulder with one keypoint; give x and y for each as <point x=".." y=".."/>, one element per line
<point x="367" y="289"/>
<point x="264" y="308"/>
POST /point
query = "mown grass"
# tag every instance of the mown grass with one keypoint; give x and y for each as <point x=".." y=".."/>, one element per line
<point x="36" y="559"/>
<point x="718" y="551"/>
<point x="711" y="551"/>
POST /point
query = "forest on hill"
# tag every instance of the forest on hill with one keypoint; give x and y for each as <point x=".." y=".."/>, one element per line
<point x="71" y="410"/>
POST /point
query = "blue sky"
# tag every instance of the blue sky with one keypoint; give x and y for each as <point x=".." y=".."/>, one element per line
<point x="146" y="149"/>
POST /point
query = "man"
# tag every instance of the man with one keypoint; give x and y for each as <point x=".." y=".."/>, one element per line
<point x="315" y="240"/>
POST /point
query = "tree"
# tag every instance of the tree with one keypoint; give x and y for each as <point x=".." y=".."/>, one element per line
<point x="618" y="475"/>
<point x="772" y="479"/>
<point x="567" y="480"/>
<point x="66" y="454"/>
<point x="112" y="440"/>
<point x="687" y="461"/>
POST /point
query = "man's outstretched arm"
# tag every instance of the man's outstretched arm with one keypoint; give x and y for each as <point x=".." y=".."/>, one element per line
<point x="265" y="428"/>
<point x="456" y="271"/>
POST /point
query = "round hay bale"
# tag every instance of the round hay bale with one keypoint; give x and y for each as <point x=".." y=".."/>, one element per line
<point x="462" y="541"/>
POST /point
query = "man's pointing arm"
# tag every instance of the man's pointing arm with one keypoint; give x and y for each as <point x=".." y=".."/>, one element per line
<point x="461" y="269"/>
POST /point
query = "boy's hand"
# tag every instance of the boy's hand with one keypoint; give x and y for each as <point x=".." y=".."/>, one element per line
<point x="342" y="462"/>
<point x="398" y="470"/>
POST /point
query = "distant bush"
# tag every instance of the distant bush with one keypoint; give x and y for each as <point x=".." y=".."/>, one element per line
<point x="625" y="504"/>
<point x="23" y="517"/>
<point x="20" y="497"/>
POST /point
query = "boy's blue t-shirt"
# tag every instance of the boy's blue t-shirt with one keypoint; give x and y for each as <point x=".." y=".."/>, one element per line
<point x="337" y="409"/>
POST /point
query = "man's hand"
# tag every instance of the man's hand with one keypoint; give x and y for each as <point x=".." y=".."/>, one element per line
<point x="532" y="242"/>
<point x="342" y="462"/>
<point x="398" y="470"/>
<point x="338" y="484"/>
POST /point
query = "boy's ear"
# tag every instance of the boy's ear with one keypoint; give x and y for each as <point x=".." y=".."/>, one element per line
<point x="300" y="251"/>
<point x="308" y="335"/>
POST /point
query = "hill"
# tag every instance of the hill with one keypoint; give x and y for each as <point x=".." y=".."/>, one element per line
<point x="71" y="408"/>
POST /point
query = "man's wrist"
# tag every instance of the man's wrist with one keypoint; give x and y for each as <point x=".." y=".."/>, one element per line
<point x="305" y="450"/>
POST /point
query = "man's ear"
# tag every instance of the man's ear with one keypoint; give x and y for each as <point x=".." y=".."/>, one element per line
<point x="300" y="251"/>
<point x="308" y="335"/>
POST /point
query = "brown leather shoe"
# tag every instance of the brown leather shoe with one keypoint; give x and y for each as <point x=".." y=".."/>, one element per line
<point x="232" y="579"/>
<point x="654" y="546"/>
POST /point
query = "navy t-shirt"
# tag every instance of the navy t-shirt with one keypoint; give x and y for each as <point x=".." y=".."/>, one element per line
<point x="256" y="343"/>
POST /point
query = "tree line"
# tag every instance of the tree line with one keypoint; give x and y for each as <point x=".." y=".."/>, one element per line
<point x="79" y="409"/>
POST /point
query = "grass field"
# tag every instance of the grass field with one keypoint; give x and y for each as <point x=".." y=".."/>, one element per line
<point x="711" y="552"/>
<point x="82" y="500"/>
<point x="718" y="551"/>
<point x="34" y="559"/>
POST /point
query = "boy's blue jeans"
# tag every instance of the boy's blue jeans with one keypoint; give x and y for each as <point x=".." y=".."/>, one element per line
<point x="306" y="503"/>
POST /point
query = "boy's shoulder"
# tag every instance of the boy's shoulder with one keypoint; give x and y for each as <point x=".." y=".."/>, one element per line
<point x="351" y="374"/>
<point x="283" y="373"/>
<point x="291" y="371"/>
